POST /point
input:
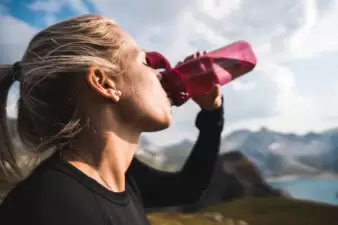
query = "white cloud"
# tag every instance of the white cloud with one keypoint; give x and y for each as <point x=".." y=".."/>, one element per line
<point x="288" y="102"/>
<point x="327" y="101"/>
<point x="218" y="9"/>
<point x="14" y="38"/>
<point x="47" y="6"/>
<point x="11" y="109"/>
<point x="317" y="34"/>
<point x="280" y="32"/>
<point x="283" y="33"/>
<point x="239" y="85"/>
<point x="12" y="47"/>
<point x="55" y="6"/>
<point x="52" y="7"/>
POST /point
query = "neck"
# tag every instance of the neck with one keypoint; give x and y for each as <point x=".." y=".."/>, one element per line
<point x="104" y="156"/>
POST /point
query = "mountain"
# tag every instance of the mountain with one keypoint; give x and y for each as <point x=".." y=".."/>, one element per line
<point x="274" y="153"/>
<point x="278" y="154"/>
<point x="234" y="177"/>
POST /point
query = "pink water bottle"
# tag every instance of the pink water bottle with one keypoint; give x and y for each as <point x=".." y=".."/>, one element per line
<point x="197" y="76"/>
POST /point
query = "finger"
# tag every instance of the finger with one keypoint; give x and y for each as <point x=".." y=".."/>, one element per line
<point x="215" y="88"/>
<point x="190" y="57"/>
<point x="215" y="91"/>
<point x="218" y="89"/>
<point x="179" y="63"/>
<point x="193" y="56"/>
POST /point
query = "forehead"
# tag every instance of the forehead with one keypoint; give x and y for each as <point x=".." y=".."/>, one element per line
<point x="129" y="49"/>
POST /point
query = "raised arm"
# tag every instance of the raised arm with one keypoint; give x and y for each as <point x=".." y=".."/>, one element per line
<point x="163" y="189"/>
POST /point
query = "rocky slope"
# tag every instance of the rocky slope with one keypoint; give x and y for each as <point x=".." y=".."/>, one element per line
<point x="235" y="177"/>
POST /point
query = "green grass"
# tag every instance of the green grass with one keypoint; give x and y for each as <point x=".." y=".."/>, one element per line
<point x="262" y="211"/>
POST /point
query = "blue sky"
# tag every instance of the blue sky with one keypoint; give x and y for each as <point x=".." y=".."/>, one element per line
<point x="40" y="13"/>
<point x="292" y="89"/>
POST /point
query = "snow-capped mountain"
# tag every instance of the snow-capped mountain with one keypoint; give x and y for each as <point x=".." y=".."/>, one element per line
<point x="279" y="154"/>
<point x="274" y="153"/>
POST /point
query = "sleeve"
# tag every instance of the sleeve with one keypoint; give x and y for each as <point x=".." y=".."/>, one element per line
<point x="163" y="189"/>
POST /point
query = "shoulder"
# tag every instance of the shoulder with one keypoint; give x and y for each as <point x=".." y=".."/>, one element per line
<point x="50" y="197"/>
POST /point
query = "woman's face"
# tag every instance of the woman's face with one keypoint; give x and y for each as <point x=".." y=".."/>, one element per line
<point x="144" y="103"/>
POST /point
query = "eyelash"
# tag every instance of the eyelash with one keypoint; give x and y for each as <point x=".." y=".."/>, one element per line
<point x="146" y="63"/>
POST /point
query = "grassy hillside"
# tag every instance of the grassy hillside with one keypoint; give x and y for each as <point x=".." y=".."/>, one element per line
<point x="262" y="211"/>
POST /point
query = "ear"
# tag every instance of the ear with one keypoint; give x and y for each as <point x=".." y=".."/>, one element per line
<point x="102" y="84"/>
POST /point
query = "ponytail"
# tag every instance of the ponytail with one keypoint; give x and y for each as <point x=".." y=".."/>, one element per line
<point x="9" y="171"/>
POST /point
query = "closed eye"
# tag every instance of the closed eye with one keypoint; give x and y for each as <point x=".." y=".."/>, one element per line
<point x="146" y="62"/>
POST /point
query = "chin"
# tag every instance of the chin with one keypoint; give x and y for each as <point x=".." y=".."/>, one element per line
<point x="158" y="125"/>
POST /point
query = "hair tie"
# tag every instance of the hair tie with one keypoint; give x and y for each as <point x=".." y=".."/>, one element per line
<point x="17" y="71"/>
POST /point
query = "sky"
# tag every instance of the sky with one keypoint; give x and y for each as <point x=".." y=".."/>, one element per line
<point x="292" y="88"/>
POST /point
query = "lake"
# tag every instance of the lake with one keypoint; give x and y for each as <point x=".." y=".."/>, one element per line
<point x="319" y="189"/>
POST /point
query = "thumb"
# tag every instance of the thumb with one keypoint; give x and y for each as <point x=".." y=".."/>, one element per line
<point x="215" y="90"/>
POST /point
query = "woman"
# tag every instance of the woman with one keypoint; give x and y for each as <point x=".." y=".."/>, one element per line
<point x="87" y="91"/>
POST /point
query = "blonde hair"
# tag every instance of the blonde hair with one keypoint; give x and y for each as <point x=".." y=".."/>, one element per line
<point x="48" y="112"/>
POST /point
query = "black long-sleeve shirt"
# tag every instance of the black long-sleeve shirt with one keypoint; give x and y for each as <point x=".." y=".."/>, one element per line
<point x="57" y="193"/>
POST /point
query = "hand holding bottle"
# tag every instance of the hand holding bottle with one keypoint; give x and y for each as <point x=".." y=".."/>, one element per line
<point x="198" y="73"/>
<point x="191" y="57"/>
<point x="210" y="100"/>
<point x="213" y="98"/>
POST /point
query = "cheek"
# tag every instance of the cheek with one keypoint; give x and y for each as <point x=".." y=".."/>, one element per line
<point x="144" y="88"/>
<point x="151" y="98"/>
<point x="149" y="86"/>
<point x="131" y="86"/>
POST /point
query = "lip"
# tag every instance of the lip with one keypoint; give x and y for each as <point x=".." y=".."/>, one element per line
<point x="170" y="100"/>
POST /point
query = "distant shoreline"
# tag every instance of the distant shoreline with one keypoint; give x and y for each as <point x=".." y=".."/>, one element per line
<point x="327" y="176"/>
